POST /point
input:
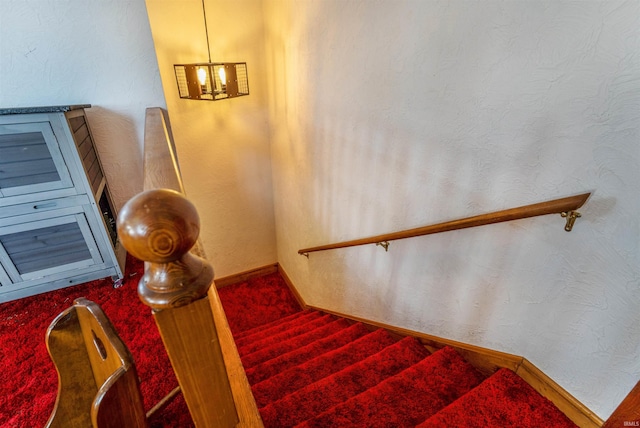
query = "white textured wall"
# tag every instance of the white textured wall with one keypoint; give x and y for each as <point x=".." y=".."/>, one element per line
<point x="223" y="146"/>
<point x="395" y="114"/>
<point x="85" y="52"/>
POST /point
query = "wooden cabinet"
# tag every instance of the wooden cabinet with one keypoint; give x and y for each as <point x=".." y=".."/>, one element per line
<point x="57" y="220"/>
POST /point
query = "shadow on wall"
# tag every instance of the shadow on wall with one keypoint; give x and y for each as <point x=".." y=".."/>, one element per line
<point x="120" y="150"/>
<point x="368" y="180"/>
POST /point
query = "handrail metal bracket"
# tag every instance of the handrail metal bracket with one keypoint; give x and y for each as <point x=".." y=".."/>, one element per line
<point x="571" y="217"/>
<point x="305" y="254"/>
<point x="384" y="244"/>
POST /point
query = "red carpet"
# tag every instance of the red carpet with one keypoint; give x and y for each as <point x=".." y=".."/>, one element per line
<point x="407" y="398"/>
<point x="309" y="369"/>
<point x="503" y="400"/>
<point x="275" y="366"/>
<point x="28" y="380"/>
<point x="257" y="302"/>
<point x="306" y="368"/>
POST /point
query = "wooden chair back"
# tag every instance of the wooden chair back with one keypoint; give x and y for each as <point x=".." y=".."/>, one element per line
<point x="97" y="381"/>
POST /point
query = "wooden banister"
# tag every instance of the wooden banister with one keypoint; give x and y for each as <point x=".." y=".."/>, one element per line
<point x="160" y="162"/>
<point x="160" y="226"/>
<point x="565" y="206"/>
<point x="161" y="168"/>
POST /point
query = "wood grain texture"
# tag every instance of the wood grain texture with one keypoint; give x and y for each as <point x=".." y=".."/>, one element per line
<point x="191" y="339"/>
<point x="161" y="168"/>
<point x="98" y="383"/>
<point x="76" y="386"/>
<point x="160" y="227"/>
<point x="248" y="414"/>
<point x="160" y="164"/>
<point x="555" y="206"/>
<point x="627" y="412"/>
<point x="110" y="410"/>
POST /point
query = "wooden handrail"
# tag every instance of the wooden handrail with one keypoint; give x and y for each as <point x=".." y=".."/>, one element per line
<point x="161" y="226"/>
<point x="565" y="206"/>
<point x="161" y="169"/>
<point x="160" y="163"/>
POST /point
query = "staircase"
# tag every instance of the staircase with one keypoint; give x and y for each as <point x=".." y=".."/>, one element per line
<point x="311" y="369"/>
<point x="366" y="384"/>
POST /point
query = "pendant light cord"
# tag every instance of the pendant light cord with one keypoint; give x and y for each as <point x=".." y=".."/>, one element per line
<point x="206" y="30"/>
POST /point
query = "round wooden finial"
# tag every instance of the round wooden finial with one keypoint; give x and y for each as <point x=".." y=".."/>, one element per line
<point x="158" y="226"/>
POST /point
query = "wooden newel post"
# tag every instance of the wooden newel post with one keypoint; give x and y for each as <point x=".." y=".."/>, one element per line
<point x="160" y="227"/>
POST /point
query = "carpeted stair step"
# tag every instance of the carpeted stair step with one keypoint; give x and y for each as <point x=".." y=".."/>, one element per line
<point x="296" y="330"/>
<point x="257" y="301"/>
<point x="503" y="400"/>
<point x="273" y="323"/>
<point x="269" y="332"/>
<point x="274" y="349"/>
<point x="308" y="369"/>
<point x="330" y="391"/>
<point x="346" y="350"/>
<point x="407" y="398"/>
<point x="281" y="363"/>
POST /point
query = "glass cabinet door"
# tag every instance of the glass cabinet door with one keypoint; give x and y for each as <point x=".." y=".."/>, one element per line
<point x="48" y="247"/>
<point x="30" y="160"/>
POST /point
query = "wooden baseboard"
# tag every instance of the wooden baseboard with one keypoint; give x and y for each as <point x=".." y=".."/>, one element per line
<point x="292" y="287"/>
<point x="547" y="387"/>
<point x="243" y="276"/>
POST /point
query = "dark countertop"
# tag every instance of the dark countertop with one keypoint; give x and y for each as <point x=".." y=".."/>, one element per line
<point x="46" y="109"/>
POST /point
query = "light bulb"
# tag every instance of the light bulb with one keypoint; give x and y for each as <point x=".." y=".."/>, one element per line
<point x="223" y="75"/>
<point x="202" y="76"/>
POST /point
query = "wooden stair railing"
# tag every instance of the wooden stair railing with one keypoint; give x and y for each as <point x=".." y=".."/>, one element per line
<point x="161" y="168"/>
<point x="564" y="206"/>
<point x="160" y="226"/>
